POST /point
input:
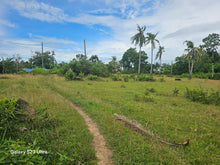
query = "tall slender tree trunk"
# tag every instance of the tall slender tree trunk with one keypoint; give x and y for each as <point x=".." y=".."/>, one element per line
<point x="139" y="63"/>
<point x="151" y="69"/>
<point x="171" y="68"/>
<point x="160" y="67"/>
<point x="191" y="70"/>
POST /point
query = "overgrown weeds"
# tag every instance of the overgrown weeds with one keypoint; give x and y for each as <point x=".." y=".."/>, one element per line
<point x="205" y="97"/>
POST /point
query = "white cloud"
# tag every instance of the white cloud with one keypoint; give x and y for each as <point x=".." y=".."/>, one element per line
<point x="26" y="47"/>
<point x="7" y="23"/>
<point x="175" y="21"/>
<point x="36" y="10"/>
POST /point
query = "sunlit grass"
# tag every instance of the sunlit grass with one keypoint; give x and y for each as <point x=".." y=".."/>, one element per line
<point x="171" y="117"/>
<point x="74" y="138"/>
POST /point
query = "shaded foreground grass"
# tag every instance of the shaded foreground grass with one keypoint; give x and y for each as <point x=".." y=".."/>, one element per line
<point x="171" y="117"/>
<point x="72" y="140"/>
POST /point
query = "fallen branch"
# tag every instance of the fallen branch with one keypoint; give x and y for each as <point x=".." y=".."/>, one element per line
<point x="134" y="125"/>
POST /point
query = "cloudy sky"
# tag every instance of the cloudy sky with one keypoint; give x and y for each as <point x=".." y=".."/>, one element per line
<point x="106" y="25"/>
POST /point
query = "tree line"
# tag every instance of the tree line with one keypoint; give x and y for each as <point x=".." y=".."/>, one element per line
<point x="196" y="59"/>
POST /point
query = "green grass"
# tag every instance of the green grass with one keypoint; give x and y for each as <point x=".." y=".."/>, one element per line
<point x="171" y="117"/>
<point x="71" y="138"/>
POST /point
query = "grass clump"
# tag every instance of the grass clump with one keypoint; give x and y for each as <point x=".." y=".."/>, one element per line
<point x="143" y="98"/>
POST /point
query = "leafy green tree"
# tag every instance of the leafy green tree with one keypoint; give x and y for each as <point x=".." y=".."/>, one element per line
<point x="159" y="55"/>
<point x="139" y="39"/>
<point x="130" y="61"/>
<point x="113" y="65"/>
<point x="94" y="58"/>
<point x="180" y="66"/>
<point x="151" y="38"/>
<point x="48" y="58"/>
<point x="8" y="65"/>
<point x="211" y="44"/>
<point x="193" y="54"/>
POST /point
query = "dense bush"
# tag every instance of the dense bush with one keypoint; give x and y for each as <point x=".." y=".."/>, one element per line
<point x="22" y="72"/>
<point x="205" y="97"/>
<point x="145" y="78"/>
<point x="70" y="75"/>
<point x="126" y="78"/>
<point x="116" y="77"/>
<point x="40" y="71"/>
<point x="92" y="77"/>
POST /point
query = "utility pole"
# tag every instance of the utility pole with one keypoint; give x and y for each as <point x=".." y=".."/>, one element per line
<point x="212" y="64"/>
<point x="85" y="48"/>
<point x="42" y="51"/>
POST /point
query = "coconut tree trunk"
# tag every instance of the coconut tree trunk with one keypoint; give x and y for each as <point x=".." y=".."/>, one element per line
<point x="189" y="66"/>
<point x="160" y="67"/>
<point x="151" y="69"/>
<point x="139" y="63"/>
<point x="191" y="70"/>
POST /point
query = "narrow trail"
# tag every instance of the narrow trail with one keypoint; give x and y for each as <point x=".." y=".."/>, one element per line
<point x="103" y="153"/>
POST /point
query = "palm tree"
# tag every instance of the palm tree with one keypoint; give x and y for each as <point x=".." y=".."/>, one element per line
<point x="139" y="39"/>
<point x="151" y="38"/>
<point x="159" y="55"/>
<point x="194" y="53"/>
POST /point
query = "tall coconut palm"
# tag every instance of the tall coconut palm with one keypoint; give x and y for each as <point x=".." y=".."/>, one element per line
<point x="159" y="55"/>
<point x="193" y="54"/>
<point x="139" y="39"/>
<point x="151" y="38"/>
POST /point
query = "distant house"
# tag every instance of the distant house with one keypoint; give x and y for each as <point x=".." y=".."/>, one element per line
<point x="27" y="70"/>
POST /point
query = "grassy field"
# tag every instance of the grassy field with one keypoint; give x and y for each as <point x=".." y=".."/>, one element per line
<point x="166" y="113"/>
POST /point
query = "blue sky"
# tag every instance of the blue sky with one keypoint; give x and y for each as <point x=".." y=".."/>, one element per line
<point x="106" y="25"/>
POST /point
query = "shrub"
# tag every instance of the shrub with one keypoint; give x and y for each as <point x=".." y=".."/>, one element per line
<point x="40" y="71"/>
<point x="205" y="97"/>
<point x="22" y="72"/>
<point x="217" y="76"/>
<point x="81" y="75"/>
<point x="133" y="76"/>
<point x="92" y="77"/>
<point x="116" y="77"/>
<point x="70" y="75"/>
<point x="54" y="70"/>
<point x="145" y="78"/>
<point x="175" y="92"/>
<point x="149" y="90"/>
<point x="126" y="78"/>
